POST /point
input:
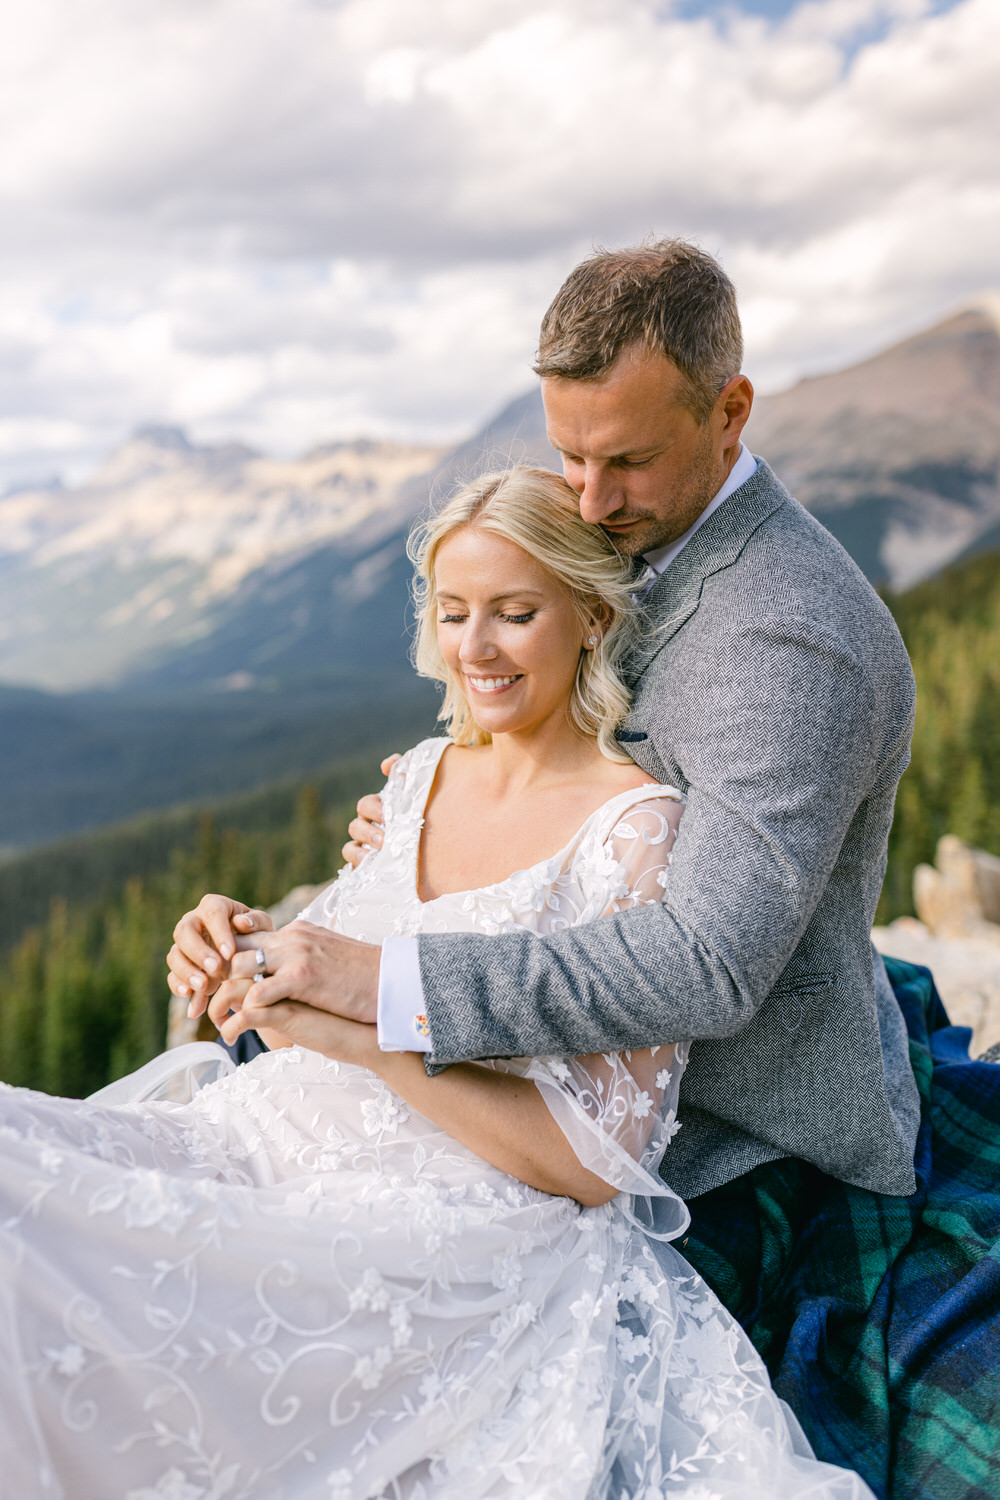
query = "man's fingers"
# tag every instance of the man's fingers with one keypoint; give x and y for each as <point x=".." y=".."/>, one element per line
<point x="245" y="965"/>
<point x="370" y="809"/>
<point x="366" y="834"/>
<point x="354" y="853"/>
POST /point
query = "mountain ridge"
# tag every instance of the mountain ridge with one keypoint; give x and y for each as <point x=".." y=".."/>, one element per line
<point x="171" y="544"/>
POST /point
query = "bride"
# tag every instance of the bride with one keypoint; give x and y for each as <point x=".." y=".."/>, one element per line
<point x="336" y="1277"/>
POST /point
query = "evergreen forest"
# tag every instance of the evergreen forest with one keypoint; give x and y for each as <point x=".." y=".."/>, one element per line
<point x="85" y="923"/>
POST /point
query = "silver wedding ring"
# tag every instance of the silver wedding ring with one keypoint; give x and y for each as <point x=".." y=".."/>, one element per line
<point x="261" y="964"/>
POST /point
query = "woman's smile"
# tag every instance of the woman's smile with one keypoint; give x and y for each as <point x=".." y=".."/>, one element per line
<point x="507" y="630"/>
<point x="492" y="684"/>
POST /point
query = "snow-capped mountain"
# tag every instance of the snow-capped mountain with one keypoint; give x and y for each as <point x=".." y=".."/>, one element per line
<point x="94" y="579"/>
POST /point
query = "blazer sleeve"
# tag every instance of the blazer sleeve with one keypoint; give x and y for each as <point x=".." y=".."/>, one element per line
<point x="777" y="729"/>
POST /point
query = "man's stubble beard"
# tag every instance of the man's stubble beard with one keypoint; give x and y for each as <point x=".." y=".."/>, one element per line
<point x="701" y="483"/>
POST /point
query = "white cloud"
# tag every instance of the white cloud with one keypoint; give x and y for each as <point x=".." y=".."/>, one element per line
<point x="288" y="222"/>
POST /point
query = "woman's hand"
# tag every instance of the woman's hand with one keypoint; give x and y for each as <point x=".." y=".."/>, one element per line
<point x="205" y="944"/>
<point x="366" y="829"/>
<point x="295" y="1024"/>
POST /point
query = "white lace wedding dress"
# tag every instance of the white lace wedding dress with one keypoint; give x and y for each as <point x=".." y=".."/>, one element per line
<point x="280" y="1281"/>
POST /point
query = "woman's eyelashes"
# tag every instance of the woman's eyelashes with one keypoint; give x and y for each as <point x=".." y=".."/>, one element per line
<point x="507" y="619"/>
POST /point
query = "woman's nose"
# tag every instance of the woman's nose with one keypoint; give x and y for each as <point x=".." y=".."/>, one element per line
<point x="477" y="644"/>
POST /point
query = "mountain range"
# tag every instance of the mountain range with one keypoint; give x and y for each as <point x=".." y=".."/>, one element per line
<point x="197" y="615"/>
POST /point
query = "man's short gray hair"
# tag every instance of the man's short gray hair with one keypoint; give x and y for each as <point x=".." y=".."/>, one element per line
<point x="666" y="296"/>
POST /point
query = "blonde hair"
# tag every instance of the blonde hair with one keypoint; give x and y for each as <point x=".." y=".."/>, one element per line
<point x="537" y="511"/>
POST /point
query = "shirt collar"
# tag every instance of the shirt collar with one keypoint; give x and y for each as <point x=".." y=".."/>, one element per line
<point x="738" y="474"/>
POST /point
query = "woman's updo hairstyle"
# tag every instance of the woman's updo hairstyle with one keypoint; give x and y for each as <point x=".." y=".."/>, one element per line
<point x="536" y="510"/>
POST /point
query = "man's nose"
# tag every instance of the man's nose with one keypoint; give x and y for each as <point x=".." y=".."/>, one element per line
<point x="601" y="494"/>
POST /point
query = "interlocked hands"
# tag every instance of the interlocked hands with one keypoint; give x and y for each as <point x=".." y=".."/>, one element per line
<point x="314" y="987"/>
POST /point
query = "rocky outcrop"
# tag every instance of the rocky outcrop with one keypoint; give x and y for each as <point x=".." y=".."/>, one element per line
<point x="959" y="894"/>
<point x="957" y="935"/>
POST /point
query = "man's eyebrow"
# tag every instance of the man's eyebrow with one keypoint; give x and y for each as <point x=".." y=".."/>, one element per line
<point x="611" y="458"/>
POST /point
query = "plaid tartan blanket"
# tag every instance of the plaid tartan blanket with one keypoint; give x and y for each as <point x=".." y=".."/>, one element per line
<point x="879" y="1317"/>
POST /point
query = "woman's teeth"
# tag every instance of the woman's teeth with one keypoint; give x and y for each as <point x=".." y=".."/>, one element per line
<point x="492" y="684"/>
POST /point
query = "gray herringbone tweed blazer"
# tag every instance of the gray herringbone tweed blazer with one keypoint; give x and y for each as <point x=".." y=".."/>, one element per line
<point x="777" y="694"/>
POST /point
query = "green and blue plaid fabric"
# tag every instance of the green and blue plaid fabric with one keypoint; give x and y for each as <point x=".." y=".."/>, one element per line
<point x="879" y="1317"/>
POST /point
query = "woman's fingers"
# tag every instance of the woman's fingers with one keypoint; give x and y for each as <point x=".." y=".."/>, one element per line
<point x="257" y="1005"/>
<point x="206" y="938"/>
<point x="216" y="914"/>
<point x="196" y="999"/>
<point x="191" y="940"/>
<point x="228" y="997"/>
<point x="389" y="762"/>
<point x="189" y="976"/>
<point x="253" y="920"/>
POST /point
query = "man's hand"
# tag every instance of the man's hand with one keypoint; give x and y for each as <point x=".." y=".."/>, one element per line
<point x="307" y="969"/>
<point x="204" y="945"/>
<point x="366" y="829"/>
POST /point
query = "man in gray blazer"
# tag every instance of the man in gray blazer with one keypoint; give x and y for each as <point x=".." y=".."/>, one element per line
<point x="776" y="693"/>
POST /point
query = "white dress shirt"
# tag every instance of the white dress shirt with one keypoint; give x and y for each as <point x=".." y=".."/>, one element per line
<point x="402" y="1026"/>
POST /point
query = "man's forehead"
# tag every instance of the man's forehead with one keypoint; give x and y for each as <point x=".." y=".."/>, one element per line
<point x="583" y="428"/>
<point x="627" y="411"/>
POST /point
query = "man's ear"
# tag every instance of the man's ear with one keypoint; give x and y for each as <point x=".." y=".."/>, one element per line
<point x="733" y="405"/>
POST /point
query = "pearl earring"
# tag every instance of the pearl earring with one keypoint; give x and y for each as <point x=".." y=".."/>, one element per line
<point x="592" y="640"/>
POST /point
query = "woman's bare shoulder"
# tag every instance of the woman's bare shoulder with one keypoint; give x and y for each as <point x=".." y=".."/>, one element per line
<point x="622" y="778"/>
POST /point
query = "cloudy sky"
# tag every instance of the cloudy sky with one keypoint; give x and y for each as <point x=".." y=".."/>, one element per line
<point x="293" y="220"/>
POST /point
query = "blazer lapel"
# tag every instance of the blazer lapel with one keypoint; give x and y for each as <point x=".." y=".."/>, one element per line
<point x="676" y="594"/>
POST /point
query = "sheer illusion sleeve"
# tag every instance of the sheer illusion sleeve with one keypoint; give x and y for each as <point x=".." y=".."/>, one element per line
<point x="618" y="1110"/>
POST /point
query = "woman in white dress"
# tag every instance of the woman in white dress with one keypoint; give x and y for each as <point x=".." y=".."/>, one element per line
<point x="336" y="1277"/>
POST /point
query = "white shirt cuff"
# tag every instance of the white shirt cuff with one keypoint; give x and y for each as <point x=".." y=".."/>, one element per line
<point x="400" y="1018"/>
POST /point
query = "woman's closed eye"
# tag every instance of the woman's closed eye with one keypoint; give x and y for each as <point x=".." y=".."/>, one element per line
<point x="507" y="619"/>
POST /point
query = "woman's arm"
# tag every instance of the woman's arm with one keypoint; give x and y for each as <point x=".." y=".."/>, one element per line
<point x="500" y="1116"/>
